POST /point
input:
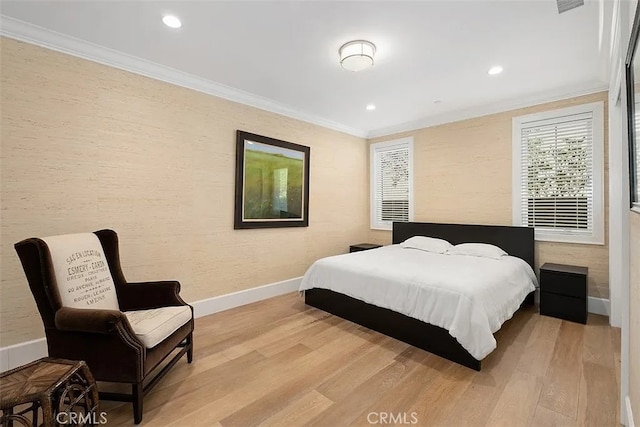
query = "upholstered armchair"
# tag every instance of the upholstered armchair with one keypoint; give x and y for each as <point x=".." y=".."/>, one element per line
<point x="124" y="331"/>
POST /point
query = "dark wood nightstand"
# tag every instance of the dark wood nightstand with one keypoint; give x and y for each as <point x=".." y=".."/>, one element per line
<point x="563" y="292"/>
<point x="363" y="247"/>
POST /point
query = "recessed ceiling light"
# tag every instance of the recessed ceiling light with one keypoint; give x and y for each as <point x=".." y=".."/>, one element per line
<point x="171" y="21"/>
<point x="496" y="69"/>
<point x="371" y="107"/>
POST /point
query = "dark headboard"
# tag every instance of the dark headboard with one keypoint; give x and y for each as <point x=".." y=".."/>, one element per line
<point x="516" y="241"/>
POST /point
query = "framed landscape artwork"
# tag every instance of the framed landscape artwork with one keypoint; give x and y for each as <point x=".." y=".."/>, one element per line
<point x="272" y="182"/>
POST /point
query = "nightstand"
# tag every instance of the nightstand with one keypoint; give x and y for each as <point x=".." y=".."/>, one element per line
<point x="363" y="247"/>
<point x="563" y="292"/>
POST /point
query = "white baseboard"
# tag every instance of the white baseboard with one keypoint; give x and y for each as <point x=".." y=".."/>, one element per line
<point x="629" y="414"/>
<point x="236" y="299"/>
<point x="23" y="353"/>
<point x="4" y="360"/>
<point x="19" y="354"/>
<point x="599" y="306"/>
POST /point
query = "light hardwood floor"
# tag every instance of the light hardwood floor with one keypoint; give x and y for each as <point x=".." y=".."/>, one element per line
<point x="280" y="362"/>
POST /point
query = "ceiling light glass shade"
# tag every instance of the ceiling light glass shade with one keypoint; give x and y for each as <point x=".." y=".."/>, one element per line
<point x="357" y="55"/>
<point x="496" y="69"/>
<point x="171" y="21"/>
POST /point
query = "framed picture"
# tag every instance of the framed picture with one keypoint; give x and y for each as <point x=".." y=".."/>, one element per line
<point x="272" y="182"/>
<point x="632" y="67"/>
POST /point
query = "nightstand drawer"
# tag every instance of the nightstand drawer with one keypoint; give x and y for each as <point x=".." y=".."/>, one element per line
<point x="563" y="283"/>
<point x="563" y="307"/>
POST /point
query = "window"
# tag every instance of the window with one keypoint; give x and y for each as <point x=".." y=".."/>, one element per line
<point x="391" y="183"/>
<point x="558" y="174"/>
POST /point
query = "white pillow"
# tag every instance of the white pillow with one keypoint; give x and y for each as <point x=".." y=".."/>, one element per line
<point x="429" y="244"/>
<point x="483" y="250"/>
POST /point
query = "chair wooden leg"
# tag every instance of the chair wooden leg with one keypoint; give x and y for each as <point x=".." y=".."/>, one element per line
<point x="138" y="395"/>
<point x="190" y="348"/>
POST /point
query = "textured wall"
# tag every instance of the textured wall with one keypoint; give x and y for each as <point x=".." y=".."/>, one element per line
<point x="634" y="316"/>
<point x="463" y="175"/>
<point x="86" y="146"/>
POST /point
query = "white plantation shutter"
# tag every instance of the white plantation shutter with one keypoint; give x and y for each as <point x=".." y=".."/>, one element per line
<point x="558" y="185"/>
<point x="557" y="174"/>
<point x="391" y="183"/>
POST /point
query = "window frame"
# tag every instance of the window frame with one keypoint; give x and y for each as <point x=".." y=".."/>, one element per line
<point x="381" y="146"/>
<point x="564" y="236"/>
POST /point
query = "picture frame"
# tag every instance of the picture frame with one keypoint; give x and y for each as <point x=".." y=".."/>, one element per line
<point x="272" y="182"/>
<point x="632" y="71"/>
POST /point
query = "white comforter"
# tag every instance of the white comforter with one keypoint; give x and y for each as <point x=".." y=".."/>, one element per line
<point x="469" y="296"/>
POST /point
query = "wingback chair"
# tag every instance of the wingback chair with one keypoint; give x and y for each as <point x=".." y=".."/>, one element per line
<point x="124" y="331"/>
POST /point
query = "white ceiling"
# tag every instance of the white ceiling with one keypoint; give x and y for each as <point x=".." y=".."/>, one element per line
<point x="284" y="54"/>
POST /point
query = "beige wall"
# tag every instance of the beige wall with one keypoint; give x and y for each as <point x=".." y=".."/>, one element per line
<point x="85" y="146"/>
<point x="462" y="174"/>
<point x="634" y="316"/>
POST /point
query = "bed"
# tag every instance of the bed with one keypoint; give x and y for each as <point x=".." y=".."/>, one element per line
<point x="432" y="335"/>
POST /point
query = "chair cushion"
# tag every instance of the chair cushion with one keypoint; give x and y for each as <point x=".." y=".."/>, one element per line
<point x="82" y="274"/>
<point x="153" y="326"/>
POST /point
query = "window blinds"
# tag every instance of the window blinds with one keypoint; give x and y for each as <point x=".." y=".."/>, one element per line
<point x="391" y="184"/>
<point x="557" y="189"/>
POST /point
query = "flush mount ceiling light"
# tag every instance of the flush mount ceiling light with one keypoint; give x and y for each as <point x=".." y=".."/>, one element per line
<point x="371" y="107"/>
<point x="357" y="55"/>
<point x="171" y="21"/>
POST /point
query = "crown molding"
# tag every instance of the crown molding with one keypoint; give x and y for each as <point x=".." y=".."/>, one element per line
<point x="487" y="109"/>
<point x="33" y="34"/>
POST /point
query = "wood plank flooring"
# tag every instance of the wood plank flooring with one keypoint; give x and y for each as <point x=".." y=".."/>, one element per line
<point x="281" y="363"/>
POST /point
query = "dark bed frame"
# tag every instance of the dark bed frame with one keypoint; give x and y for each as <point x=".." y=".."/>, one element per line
<point x="516" y="241"/>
